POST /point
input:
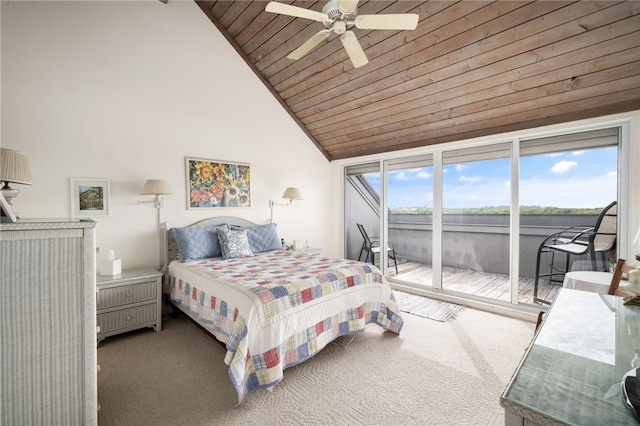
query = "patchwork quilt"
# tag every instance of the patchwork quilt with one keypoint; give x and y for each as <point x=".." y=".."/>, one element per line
<point x="279" y="308"/>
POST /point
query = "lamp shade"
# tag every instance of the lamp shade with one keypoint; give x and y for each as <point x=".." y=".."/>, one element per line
<point x="156" y="187"/>
<point x="292" y="194"/>
<point x="14" y="167"/>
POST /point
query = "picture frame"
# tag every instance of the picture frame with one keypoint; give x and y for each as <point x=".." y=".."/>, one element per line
<point x="89" y="197"/>
<point x="6" y="208"/>
<point x="217" y="184"/>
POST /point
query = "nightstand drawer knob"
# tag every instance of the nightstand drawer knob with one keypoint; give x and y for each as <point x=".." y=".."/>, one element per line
<point x="128" y="317"/>
<point x="97" y="329"/>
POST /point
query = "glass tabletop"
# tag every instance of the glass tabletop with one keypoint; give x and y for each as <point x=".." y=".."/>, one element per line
<point x="573" y="369"/>
<point x="128" y="273"/>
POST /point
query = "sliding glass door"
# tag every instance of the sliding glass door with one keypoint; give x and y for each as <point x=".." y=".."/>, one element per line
<point x="410" y="218"/>
<point x="565" y="180"/>
<point x="469" y="221"/>
<point x="476" y="201"/>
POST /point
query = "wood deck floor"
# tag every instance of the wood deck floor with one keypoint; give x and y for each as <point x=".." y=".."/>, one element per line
<point x="477" y="283"/>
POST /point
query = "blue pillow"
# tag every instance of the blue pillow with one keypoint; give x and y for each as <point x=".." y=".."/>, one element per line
<point x="262" y="237"/>
<point x="198" y="242"/>
<point x="234" y="243"/>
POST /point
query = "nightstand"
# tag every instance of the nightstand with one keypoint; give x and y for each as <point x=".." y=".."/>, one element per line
<point x="308" y="250"/>
<point x="129" y="301"/>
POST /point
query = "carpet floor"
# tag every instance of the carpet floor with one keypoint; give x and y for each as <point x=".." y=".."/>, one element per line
<point x="433" y="373"/>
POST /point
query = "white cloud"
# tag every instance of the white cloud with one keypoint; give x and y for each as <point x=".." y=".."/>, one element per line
<point x="402" y="176"/>
<point x="423" y="174"/>
<point x="461" y="167"/>
<point x="593" y="191"/>
<point x="562" y="167"/>
<point x="470" y="179"/>
<point x="576" y="153"/>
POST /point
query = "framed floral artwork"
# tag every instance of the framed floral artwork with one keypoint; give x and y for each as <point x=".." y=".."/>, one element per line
<point x="89" y="197"/>
<point x="212" y="183"/>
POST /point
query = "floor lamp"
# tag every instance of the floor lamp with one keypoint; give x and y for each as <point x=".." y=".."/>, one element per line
<point x="157" y="187"/>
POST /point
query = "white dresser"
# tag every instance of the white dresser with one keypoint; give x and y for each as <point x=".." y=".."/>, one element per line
<point x="48" y="323"/>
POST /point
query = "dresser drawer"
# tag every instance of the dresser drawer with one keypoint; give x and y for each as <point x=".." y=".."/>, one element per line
<point x="127" y="318"/>
<point x="124" y="295"/>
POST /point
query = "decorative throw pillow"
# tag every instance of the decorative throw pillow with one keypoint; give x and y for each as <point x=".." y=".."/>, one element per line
<point x="262" y="237"/>
<point x="234" y="243"/>
<point x="198" y="242"/>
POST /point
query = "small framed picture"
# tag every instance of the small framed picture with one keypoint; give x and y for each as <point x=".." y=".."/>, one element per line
<point x="89" y="197"/>
<point x="9" y="215"/>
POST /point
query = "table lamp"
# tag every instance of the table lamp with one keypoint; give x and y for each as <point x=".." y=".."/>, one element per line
<point x="14" y="168"/>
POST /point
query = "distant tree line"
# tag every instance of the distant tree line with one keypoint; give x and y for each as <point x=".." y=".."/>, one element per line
<point x="498" y="210"/>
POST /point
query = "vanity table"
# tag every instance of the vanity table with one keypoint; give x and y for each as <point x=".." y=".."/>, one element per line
<point x="571" y="372"/>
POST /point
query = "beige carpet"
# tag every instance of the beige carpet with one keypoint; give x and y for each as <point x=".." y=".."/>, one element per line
<point x="434" y="373"/>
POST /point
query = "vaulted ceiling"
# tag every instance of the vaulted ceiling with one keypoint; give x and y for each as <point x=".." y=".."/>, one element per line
<point x="470" y="68"/>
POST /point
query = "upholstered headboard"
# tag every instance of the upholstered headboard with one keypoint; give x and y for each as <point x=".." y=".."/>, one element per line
<point x="172" y="246"/>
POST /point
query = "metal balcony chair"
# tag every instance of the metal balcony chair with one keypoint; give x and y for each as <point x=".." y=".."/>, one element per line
<point x="577" y="241"/>
<point x="371" y="246"/>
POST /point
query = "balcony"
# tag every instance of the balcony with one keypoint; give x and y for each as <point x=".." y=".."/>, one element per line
<point x="475" y="252"/>
<point x="476" y="283"/>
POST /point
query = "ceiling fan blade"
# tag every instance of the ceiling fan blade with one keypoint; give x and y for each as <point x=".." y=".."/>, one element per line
<point x="347" y="6"/>
<point x="353" y="48"/>
<point x="299" y="12"/>
<point x="309" y="44"/>
<point x="403" y="21"/>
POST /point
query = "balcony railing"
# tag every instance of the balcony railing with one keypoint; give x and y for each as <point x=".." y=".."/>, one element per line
<point x="477" y="244"/>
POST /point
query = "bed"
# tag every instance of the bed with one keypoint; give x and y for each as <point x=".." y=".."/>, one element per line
<point x="272" y="308"/>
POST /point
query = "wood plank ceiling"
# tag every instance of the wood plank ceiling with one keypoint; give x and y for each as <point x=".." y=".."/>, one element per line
<point x="471" y="68"/>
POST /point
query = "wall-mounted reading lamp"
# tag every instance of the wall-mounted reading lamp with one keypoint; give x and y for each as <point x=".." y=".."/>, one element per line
<point x="157" y="187"/>
<point x="290" y="193"/>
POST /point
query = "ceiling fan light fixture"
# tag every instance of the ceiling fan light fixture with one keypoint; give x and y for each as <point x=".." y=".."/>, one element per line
<point x="339" y="27"/>
<point x="339" y="19"/>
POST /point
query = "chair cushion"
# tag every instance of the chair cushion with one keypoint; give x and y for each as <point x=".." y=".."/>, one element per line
<point x="606" y="232"/>
<point x="573" y="248"/>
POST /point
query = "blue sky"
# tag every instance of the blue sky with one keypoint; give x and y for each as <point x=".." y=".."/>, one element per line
<point x="569" y="179"/>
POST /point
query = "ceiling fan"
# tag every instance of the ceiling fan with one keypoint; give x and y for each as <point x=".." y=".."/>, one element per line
<point x="340" y="16"/>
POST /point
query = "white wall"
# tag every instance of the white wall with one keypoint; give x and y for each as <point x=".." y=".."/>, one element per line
<point x="125" y="91"/>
